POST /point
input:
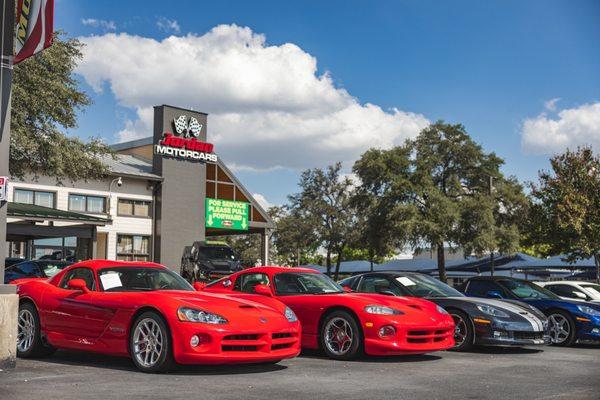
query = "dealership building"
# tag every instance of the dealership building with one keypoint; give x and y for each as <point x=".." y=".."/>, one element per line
<point x="162" y="193"/>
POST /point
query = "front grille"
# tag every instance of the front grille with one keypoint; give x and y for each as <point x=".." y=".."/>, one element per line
<point x="528" y="335"/>
<point x="240" y="337"/>
<point x="250" y="342"/>
<point x="428" y="336"/>
<point x="239" y="348"/>
<point x="281" y="335"/>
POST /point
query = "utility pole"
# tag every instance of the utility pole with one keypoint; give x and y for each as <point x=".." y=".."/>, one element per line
<point x="8" y="299"/>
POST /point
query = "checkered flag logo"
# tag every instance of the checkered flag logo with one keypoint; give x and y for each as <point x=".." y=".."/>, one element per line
<point x="188" y="129"/>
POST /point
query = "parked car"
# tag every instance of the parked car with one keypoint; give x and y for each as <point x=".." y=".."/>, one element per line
<point x="149" y="313"/>
<point x="204" y="259"/>
<point x="574" y="290"/>
<point x="568" y="320"/>
<point x="8" y="261"/>
<point x="34" y="269"/>
<point x="346" y="324"/>
<point x="478" y="321"/>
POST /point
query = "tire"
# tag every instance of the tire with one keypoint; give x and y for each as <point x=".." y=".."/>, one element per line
<point x="29" y="337"/>
<point x="150" y="343"/>
<point x="562" y="328"/>
<point x="464" y="334"/>
<point x="349" y="344"/>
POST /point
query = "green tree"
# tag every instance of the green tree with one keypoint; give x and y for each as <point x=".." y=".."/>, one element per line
<point x="46" y="99"/>
<point x="565" y="211"/>
<point x="325" y="197"/>
<point x="295" y="237"/>
<point x="246" y="247"/>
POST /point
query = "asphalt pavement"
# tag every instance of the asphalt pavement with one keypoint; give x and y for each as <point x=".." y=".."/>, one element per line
<point x="548" y="373"/>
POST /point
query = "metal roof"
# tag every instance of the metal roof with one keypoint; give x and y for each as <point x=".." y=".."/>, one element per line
<point x="129" y="165"/>
<point x="33" y="212"/>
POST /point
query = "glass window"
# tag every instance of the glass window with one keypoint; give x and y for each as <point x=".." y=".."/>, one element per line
<point x="378" y="284"/>
<point x="246" y="282"/>
<point x="125" y="207"/>
<point x="142" y="209"/>
<point x="419" y="285"/>
<point x="44" y="199"/>
<point x="481" y="288"/>
<point x="23" y="196"/>
<point x="137" y="208"/>
<point x="25" y="268"/>
<point x="77" y="202"/>
<point x="95" y="204"/>
<point x="128" y="279"/>
<point x="305" y="283"/>
<point x="133" y="248"/>
<point x="527" y="290"/>
<point x="52" y="268"/>
<point x="567" y="291"/>
<point x="79" y="273"/>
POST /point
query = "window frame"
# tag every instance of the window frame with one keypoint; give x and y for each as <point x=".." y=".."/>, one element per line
<point x="86" y="196"/>
<point x="64" y="280"/>
<point x="150" y="208"/>
<point x="148" y="255"/>
<point x="238" y="281"/>
<point x="54" y="194"/>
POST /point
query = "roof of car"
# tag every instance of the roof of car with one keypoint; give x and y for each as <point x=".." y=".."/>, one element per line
<point x="98" y="264"/>
<point x="275" y="269"/>
<point x="492" y="278"/>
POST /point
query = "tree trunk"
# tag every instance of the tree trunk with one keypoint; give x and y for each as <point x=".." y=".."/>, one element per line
<point x="492" y="263"/>
<point x="337" y="265"/>
<point x="597" y="260"/>
<point x="297" y="256"/>
<point x="328" y="262"/>
<point x="441" y="259"/>
<point x="371" y="257"/>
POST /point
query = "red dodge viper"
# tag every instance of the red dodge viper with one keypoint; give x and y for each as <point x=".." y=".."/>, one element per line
<point x="346" y="324"/>
<point x="151" y="314"/>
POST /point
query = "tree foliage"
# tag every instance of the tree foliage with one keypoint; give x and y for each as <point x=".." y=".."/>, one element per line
<point x="564" y="216"/>
<point x="46" y="99"/>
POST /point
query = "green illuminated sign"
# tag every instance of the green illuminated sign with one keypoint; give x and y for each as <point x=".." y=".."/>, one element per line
<point x="226" y="214"/>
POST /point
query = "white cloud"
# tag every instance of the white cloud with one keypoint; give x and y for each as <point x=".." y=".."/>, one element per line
<point x="99" y="23"/>
<point x="260" y="199"/>
<point x="550" y="105"/>
<point x="269" y="107"/>
<point x="570" y="128"/>
<point x="168" y="25"/>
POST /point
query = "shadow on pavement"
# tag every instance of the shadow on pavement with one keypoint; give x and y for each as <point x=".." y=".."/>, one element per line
<point x="125" y="364"/>
<point x="381" y="359"/>
<point x="504" y="350"/>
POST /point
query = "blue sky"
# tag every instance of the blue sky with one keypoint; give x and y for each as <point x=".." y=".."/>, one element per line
<point x="491" y="65"/>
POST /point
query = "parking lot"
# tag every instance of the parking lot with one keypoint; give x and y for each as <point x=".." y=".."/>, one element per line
<point x="551" y="373"/>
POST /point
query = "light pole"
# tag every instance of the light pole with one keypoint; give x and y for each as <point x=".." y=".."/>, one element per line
<point x="119" y="182"/>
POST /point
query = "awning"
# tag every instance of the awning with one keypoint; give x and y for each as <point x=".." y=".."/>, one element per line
<point x="32" y="212"/>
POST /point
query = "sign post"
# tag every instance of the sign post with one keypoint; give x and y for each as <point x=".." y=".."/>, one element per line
<point x="227" y="214"/>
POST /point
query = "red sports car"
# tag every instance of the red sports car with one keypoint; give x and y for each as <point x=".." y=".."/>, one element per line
<point x="346" y="324"/>
<point x="151" y="314"/>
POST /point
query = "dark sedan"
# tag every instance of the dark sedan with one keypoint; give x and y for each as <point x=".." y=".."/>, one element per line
<point x="34" y="269"/>
<point x="478" y="321"/>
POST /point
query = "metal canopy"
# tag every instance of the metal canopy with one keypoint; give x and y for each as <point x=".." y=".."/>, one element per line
<point x="32" y="212"/>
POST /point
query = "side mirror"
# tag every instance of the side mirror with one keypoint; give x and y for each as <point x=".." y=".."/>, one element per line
<point x="263" y="290"/>
<point x="199" y="286"/>
<point x="347" y="289"/>
<point x="78" y="284"/>
<point x="580" y="295"/>
<point x="494" y="294"/>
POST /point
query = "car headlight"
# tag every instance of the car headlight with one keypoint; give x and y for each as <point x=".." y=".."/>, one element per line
<point x="382" y="310"/>
<point x="441" y="310"/>
<point x="289" y="315"/>
<point x="193" y="315"/>
<point x="489" y="310"/>
<point x="589" y="310"/>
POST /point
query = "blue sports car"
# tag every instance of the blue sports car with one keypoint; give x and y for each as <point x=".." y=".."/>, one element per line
<point x="568" y="320"/>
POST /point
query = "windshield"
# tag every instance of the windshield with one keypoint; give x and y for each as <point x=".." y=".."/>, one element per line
<point x="426" y="286"/>
<point x="305" y="283"/>
<point x="135" y="279"/>
<point x="50" y="269"/>
<point x="216" y="253"/>
<point x="528" y="290"/>
<point x="593" y="288"/>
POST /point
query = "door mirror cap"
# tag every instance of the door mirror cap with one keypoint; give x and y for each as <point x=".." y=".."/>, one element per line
<point x="264" y="290"/>
<point x="78" y="284"/>
<point x="199" y="286"/>
<point x="494" y="294"/>
<point x="347" y="289"/>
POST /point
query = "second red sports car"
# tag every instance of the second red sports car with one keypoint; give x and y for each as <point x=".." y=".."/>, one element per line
<point x="151" y="314"/>
<point x="346" y="324"/>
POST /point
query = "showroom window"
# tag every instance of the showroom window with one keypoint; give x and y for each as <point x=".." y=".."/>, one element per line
<point x="39" y="198"/>
<point x="133" y="248"/>
<point x="87" y="204"/>
<point x="133" y="208"/>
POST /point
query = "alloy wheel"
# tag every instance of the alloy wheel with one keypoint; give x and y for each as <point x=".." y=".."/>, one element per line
<point x="26" y="330"/>
<point x="560" y="328"/>
<point x="147" y="342"/>
<point x="460" y="330"/>
<point x="338" y="336"/>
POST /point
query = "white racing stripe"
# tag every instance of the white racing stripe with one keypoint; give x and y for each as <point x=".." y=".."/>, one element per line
<point x="535" y="322"/>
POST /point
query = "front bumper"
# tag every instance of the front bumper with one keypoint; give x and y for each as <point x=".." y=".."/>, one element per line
<point x="506" y="333"/>
<point x="409" y="338"/>
<point x="235" y="346"/>
<point x="588" y="328"/>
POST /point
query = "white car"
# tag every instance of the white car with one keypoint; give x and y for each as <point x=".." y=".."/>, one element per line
<point x="574" y="290"/>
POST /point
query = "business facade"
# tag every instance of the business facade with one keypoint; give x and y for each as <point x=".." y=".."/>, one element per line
<point x="163" y="192"/>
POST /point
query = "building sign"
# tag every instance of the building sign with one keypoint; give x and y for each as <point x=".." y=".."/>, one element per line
<point x="227" y="214"/>
<point x="3" y="188"/>
<point x="186" y="146"/>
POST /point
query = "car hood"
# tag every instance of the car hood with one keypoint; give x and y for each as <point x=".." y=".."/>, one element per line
<point x="410" y="306"/>
<point x="510" y="306"/>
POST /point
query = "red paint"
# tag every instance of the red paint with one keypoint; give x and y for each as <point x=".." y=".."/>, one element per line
<point x="419" y="315"/>
<point x="99" y="321"/>
<point x="190" y="144"/>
